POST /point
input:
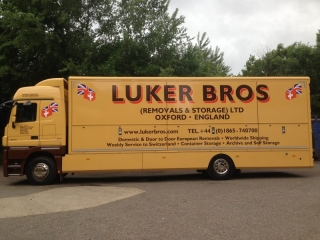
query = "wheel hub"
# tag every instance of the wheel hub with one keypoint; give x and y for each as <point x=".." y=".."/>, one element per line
<point x="40" y="171"/>
<point x="221" y="166"/>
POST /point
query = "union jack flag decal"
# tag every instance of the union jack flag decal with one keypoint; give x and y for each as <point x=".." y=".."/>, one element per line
<point x="54" y="107"/>
<point x="292" y="92"/>
<point x="88" y="93"/>
<point x="82" y="89"/>
<point x="48" y="110"/>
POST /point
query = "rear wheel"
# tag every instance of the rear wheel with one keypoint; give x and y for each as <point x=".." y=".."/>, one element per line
<point x="41" y="171"/>
<point x="221" y="167"/>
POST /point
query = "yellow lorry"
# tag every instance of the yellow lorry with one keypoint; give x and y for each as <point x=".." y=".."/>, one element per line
<point x="216" y="125"/>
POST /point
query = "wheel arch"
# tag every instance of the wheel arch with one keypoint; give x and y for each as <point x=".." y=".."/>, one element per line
<point x="221" y="155"/>
<point x="55" y="153"/>
<point x="38" y="154"/>
<point x="227" y="161"/>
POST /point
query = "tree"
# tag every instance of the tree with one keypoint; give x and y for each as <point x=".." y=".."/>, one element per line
<point x="315" y="78"/>
<point x="146" y="39"/>
<point x="149" y="41"/>
<point x="46" y="38"/>
<point x="201" y="60"/>
<point x="297" y="59"/>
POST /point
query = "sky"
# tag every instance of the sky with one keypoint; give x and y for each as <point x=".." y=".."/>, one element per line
<point x="241" y="28"/>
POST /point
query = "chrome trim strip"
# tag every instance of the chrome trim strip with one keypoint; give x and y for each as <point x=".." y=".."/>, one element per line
<point x="13" y="166"/>
<point x="17" y="148"/>
<point x="11" y="174"/>
<point x="53" y="148"/>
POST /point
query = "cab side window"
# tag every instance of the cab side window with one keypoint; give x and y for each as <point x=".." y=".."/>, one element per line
<point x="26" y="112"/>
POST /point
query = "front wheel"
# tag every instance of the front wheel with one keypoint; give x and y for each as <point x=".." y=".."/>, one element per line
<point x="221" y="167"/>
<point x="41" y="171"/>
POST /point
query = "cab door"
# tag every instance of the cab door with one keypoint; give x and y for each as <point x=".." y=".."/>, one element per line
<point x="50" y="130"/>
<point x="23" y="128"/>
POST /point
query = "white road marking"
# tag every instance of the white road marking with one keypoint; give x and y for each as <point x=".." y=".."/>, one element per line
<point x="62" y="200"/>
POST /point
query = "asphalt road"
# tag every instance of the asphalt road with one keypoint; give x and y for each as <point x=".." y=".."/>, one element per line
<point x="259" y="204"/>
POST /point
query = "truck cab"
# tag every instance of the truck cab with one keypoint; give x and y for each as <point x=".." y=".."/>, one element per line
<point x="36" y="129"/>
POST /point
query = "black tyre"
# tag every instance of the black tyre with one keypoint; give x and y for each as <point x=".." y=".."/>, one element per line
<point x="237" y="173"/>
<point x="221" y="167"/>
<point x="41" y="171"/>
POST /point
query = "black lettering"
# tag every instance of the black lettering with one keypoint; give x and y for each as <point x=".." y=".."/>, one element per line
<point x="169" y="91"/>
<point x="239" y="93"/>
<point x="209" y="94"/>
<point x="185" y="91"/>
<point x="226" y="91"/>
<point x="115" y="97"/>
<point x="261" y="89"/>
<point x="152" y="92"/>
<point x="136" y="99"/>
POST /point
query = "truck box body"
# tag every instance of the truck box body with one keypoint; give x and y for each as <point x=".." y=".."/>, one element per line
<point x="149" y="123"/>
<point x="181" y="123"/>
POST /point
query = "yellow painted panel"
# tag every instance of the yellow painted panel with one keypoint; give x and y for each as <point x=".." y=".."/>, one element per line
<point x="156" y="138"/>
<point x="110" y="104"/>
<point x="177" y="160"/>
<point x="176" y="101"/>
<point x="241" y="159"/>
<point x="183" y="160"/>
<point x="285" y="105"/>
<point x="117" y="138"/>
<point x="214" y="136"/>
<point x="50" y="142"/>
<point x="101" y="162"/>
<point x="272" y="159"/>
<point x="48" y="131"/>
<point x="215" y="101"/>
<point x="52" y="128"/>
<point x="183" y="122"/>
<point x="5" y="141"/>
<point x="284" y="136"/>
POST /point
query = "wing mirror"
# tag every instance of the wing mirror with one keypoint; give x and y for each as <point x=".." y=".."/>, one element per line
<point x="13" y="121"/>
<point x="14" y="117"/>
